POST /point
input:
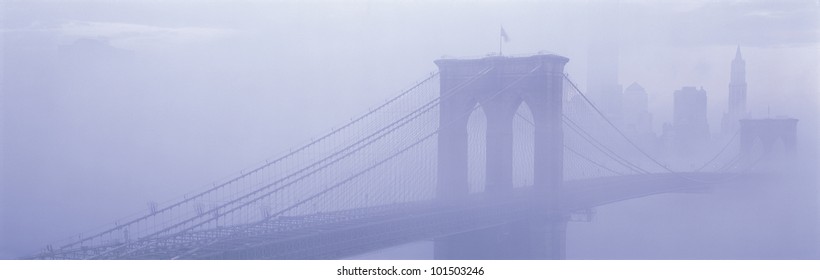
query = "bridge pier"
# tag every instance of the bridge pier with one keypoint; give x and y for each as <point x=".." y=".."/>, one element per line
<point x="538" y="240"/>
<point x="528" y="239"/>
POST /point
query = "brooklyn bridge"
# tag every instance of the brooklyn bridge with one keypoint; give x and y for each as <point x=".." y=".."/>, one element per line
<point x="485" y="157"/>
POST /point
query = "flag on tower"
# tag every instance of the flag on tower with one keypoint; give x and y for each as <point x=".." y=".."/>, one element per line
<point x="504" y="35"/>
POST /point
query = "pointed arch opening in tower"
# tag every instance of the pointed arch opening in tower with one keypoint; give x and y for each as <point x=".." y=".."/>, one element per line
<point x="476" y="150"/>
<point x="523" y="158"/>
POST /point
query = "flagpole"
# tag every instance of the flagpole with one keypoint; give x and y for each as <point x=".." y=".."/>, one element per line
<point x="502" y="37"/>
<point x="500" y="42"/>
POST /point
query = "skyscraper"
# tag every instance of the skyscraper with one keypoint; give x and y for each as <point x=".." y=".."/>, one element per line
<point x="691" y="128"/>
<point x="737" y="95"/>
<point x="637" y="120"/>
<point x="602" y="61"/>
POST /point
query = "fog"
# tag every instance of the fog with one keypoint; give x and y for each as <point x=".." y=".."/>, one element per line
<point x="108" y="107"/>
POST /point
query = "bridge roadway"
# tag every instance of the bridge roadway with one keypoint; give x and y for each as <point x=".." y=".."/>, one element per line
<point x="350" y="232"/>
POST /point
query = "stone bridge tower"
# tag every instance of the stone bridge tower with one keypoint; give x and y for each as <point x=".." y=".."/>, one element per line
<point x="500" y="85"/>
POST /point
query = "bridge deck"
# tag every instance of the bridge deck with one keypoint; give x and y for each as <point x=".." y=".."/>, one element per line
<point x="344" y="233"/>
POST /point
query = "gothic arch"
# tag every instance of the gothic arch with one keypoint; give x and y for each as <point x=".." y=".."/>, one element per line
<point x="477" y="146"/>
<point x="523" y="146"/>
<point x="768" y="132"/>
<point x="499" y="85"/>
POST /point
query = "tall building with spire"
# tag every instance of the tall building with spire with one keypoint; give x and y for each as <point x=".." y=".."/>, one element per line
<point x="737" y="95"/>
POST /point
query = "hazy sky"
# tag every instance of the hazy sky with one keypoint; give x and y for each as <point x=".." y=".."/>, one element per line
<point x="111" y="104"/>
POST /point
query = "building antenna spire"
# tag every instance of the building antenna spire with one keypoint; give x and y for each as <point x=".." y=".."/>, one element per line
<point x="737" y="53"/>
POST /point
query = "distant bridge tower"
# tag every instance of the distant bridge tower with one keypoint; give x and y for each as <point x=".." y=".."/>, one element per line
<point x="767" y="132"/>
<point x="535" y="81"/>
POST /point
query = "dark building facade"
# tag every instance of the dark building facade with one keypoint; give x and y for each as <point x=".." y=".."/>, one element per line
<point x="636" y="117"/>
<point x="690" y="127"/>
